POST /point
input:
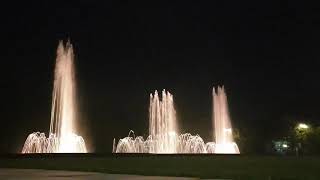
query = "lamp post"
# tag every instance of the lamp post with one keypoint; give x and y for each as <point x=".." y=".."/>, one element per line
<point x="301" y="133"/>
<point x="302" y="126"/>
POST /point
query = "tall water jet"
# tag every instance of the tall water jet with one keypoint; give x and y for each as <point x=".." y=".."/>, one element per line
<point x="162" y="137"/>
<point x="222" y="124"/>
<point x="162" y="123"/>
<point x="62" y="135"/>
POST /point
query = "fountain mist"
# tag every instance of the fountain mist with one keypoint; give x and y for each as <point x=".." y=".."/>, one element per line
<point x="62" y="137"/>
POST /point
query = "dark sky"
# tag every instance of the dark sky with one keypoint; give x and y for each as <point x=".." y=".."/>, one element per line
<point x="265" y="53"/>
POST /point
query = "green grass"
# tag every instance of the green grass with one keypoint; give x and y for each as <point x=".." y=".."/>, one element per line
<point x="234" y="167"/>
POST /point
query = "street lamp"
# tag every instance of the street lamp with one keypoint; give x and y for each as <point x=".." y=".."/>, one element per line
<point x="285" y="145"/>
<point x="302" y="131"/>
<point x="302" y="126"/>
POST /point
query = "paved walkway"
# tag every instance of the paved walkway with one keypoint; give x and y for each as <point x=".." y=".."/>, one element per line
<point x="37" y="174"/>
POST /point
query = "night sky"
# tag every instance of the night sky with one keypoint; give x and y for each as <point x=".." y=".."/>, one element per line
<point x="265" y="53"/>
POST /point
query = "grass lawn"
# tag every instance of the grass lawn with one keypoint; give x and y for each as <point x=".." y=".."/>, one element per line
<point x="203" y="166"/>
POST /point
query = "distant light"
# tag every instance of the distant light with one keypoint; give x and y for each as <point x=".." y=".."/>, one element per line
<point x="284" y="145"/>
<point x="303" y="126"/>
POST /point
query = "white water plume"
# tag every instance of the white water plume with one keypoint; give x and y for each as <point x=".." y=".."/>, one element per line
<point x="62" y="136"/>
<point x="222" y="124"/>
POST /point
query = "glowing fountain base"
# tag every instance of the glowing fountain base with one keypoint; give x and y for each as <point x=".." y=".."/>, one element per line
<point x="38" y="143"/>
<point x="172" y="144"/>
<point x="226" y="148"/>
<point x="164" y="144"/>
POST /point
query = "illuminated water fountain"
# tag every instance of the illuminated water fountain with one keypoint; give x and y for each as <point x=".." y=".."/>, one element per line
<point x="162" y="123"/>
<point x="162" y="129"/>
<point x="163" y="134"/>
<point x="222" y="124"/>
<point x="62" y="136"/>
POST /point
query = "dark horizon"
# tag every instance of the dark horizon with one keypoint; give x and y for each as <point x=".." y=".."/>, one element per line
<point x="264" y="53"/>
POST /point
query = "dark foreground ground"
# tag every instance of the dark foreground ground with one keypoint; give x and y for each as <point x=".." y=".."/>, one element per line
<point x="41" y="174"/>
<point x="202" y="166"/>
